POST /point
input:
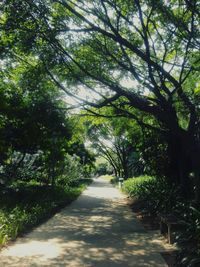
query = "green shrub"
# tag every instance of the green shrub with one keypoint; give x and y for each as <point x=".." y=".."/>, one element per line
<point x="188" y="239"/>
<point x="136" y="187"/>
<point x="31" y="204"/>
<point x="72" y="171"/>
<point x="160" y="197"/>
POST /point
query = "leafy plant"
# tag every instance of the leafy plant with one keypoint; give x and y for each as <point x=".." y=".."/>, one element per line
<point x="189" y="239"/>
<point x="35" y="204"/>
<point x="159" y="195"/>
<point x="136" y="186"/>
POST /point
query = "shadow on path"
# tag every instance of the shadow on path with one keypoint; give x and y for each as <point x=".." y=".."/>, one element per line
<point x="97" y="230"/>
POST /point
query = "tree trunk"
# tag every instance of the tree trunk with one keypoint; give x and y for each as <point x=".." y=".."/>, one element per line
<point x="197" y="186"/>
<point x="185" y="185"/>
<point x="53" y="176"/>
<point x="188" y="159"/>
<point x="173" y="155"/>
<point x="195" y="154"/>
<point x="179" y="146"/>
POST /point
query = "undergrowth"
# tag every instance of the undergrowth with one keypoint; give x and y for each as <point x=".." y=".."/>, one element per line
<point x="162" y="198"/>
<point x="25" y="206"/>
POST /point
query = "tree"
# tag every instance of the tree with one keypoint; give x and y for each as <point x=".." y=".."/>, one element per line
<point x="103" y="44"/>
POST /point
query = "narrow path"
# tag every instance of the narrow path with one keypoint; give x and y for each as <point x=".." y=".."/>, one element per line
<point x="97" y="230"/>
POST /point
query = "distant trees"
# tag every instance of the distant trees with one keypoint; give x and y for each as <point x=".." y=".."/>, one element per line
<point x="115" y="141"/>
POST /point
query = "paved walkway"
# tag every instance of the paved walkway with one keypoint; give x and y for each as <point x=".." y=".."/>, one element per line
<point x="97" y="230"/>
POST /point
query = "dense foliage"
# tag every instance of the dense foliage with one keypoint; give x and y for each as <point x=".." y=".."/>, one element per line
<point x="26" y="205"/>
<point x="160" y="198"/>
<point x="135" y="57"/>
<point x="137" y="60"/>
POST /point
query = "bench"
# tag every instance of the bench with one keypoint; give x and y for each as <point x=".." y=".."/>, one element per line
<point x="169" y="223"/>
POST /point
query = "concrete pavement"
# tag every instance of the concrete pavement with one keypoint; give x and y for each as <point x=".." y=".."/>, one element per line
<point x="96" y="230"/>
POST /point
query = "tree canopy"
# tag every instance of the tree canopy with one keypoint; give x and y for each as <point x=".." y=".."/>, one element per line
<point x="140" y="57"/>
<point x="131" y="68"/>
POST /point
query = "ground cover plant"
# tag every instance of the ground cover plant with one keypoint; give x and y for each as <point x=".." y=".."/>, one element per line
<point x="158" y="197"/>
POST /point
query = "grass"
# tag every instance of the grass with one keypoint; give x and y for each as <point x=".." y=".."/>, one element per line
<point x="26" y="206"/>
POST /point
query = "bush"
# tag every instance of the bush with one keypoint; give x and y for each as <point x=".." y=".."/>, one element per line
<point x="160" y="197"/>
<point x="188" y="240"/>
<point x="30" y="205"/>
<point x="136" y="187"/>
<point x="158" y="194"/>
<point x="40" y="168"/>
<point x="72" y="171"/>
